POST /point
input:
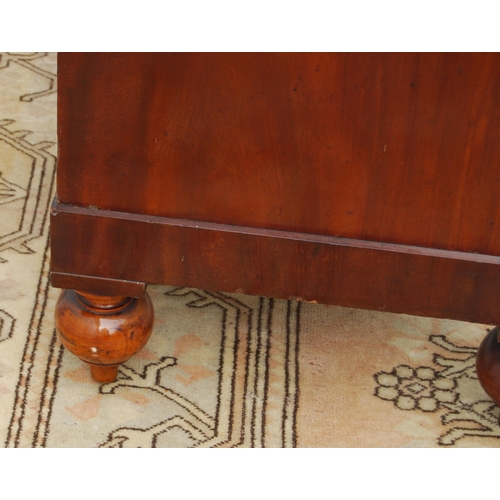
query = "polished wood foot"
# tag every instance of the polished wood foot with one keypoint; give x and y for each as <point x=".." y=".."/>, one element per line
<point x="103" y="374"/>
<point x="488" y="365"/>
<point x="103" y="330"/>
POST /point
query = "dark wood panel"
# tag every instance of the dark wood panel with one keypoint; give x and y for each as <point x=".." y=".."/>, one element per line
<point x="399" y="148"/>
<point x="101" y="286"/>
<point x="281" y="264"/>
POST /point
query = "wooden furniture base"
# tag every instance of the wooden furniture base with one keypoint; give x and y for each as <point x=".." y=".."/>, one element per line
<point x="103" y="331"/>
<point x="361" y="180"/>
<point x="488" y="365"/>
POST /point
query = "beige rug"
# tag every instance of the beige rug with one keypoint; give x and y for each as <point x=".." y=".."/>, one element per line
<point x="219" y="370"/>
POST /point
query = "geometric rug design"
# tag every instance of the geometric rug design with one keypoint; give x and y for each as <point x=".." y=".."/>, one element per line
<point x="220" y="370"/>
<point x="448" y="387"/>
<point x="248" y="347"/>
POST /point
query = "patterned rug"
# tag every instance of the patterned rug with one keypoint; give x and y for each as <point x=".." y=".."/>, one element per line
<point x="220" y="370"/>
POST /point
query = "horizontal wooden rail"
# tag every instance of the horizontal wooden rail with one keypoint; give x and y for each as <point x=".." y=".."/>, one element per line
<point x="326" y="269"/>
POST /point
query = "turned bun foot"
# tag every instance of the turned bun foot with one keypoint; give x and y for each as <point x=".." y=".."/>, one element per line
<point x="102" y="373"/>
<point x="488" y="365"/>
<point x="103" y="331"/>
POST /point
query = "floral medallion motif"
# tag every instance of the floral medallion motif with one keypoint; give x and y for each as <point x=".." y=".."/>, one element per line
<point x="451" y="388"/>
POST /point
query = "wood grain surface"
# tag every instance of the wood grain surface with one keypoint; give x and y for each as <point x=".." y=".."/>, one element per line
<point x="280" y="264"/>
<point x="103" y="331"/>
<point x="394" y="147"/>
